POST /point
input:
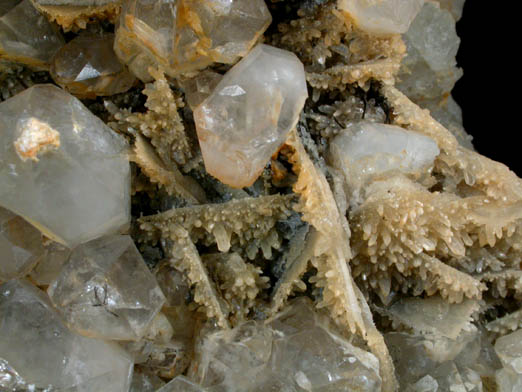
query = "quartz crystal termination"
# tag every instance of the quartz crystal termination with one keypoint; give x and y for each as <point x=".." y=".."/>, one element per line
<point x="61" y="167"/>
<point x="249" y="114"/>
<point x="36" y="344"/>
<point x="106" y="290"/>
<point x="26" y="36"/>
<point x="88" y="67"/>
<point x="183" y="36"/>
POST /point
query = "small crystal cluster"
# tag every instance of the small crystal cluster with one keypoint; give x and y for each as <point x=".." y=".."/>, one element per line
<point x="208" y="201"/>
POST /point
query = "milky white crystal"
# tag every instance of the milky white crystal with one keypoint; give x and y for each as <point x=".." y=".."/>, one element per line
<point x="249" y="114"/>
<point x="382" y="16"/>
<point x="509" y="350"/>
<point x="106" y="290"/>
<point x="61" y="167"/>
<point x="36" y="344"/>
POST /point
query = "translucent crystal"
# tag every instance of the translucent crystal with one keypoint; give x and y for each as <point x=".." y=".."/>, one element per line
<point x="249" y="114"/>
<point x="509" y="350"/>
<point x="20" y="246"/>
<point x="382" y="16"/>
<point x="183" y="36"/>
<point x="508" y="381"/>
<point x="26" y="35"/>
<point x="454" y="6"/>
<point x="87" y="67"/>
<point x="63" y="169"/>
<point x="198" y="88"/>
<point x="50" y="263"/>
<point x="181" y="384"/>
<point x="106" y="290"/>
<point x="36" y="344"/>
<point x="145" y="382"/>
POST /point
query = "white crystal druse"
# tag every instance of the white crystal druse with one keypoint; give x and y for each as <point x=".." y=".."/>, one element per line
<point x="249" y="114"/>
<point x="61" y="167"/>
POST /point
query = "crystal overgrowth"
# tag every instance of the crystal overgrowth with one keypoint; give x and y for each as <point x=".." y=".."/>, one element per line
<point x="61" y="167"/>
<point x="34" y="341"/>
<point x="183" y="36"/>
<point x="106" y="290"/>
<point x="26" y="35"/>
<point x="249" y="114"/>
<point x="88" y="67"/>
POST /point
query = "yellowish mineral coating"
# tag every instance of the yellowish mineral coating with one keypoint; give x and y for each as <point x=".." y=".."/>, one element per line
<point x="36" y="138"/>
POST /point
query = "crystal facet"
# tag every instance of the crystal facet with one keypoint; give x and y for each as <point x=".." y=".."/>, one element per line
<point x="61" y="167"/>
<point x="87" y="67"/>
<point x="249" y="114"/>
<point x="106" y="290"/>
<point x="34" y="341"/>
<point x="182" y="36"/>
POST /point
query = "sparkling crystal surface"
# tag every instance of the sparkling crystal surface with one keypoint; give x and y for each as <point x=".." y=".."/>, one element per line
<point x="106" y="290"/>
<point x="249" y="114"/>
<point x="382" y="16"/>
<point x="34" y="341"/>
<point x="26" y="35"/>
<point x="183" y="36"/>
<point x="61" y="167"/>
<point x="87" y="67"/>
<point x="20" y="245"/>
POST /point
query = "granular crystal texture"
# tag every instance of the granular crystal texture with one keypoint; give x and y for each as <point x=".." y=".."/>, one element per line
<point x="183" y="36"/>
<point x="36" y="344"/>
<point x="26" y="35"/>
<point x="106" y="290"/>
<point x="88" y="67"/>
<point x="20" y="245"/>
<point x="249" y="114"/>
<point x="61" y="167"/>
<point x="382" y="16"/>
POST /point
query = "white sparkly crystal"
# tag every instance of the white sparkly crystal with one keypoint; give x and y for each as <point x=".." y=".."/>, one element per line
<point x="249" y="114"/>
<point x="36" y="344"/>
<point x="106" y="290"/>
<point x="382" y="16"/>
<point x="61" y="167"/>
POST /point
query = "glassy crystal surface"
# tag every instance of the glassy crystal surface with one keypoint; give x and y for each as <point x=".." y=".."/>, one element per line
<point x="183" y="36"/>
<point x="44" y="352"/>
<point x="26" y="35"/>
<point x="382" y="16"/>
<point x="198" y="88"/>
<point x="181" y="384"/>
<point x="145" y="382"/>
<point x="508" y="381"/>
<point x="249" y="114"/>
<point x="20" y="245"/>
<point x="50" y="263"/>
<point x="61" y="167"/>
<point x="509" y="350"/>
<point x="106" y="290"/>
<point x="87" y="67"/>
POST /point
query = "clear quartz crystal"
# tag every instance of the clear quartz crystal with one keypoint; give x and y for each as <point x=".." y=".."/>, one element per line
<point x="26" y="36"/>
<point x="50" y="263"/>
<point x="509" y="350"/>
<point x="106" y="290"/>
<point x="181" y="384"/>
<point x="183" y="36"/>
<point x="62" y="168"/>
<point x="249" y="114"/>
<point x="88" y="67"/>
<point x="44" y="352"/>
<point x="20" y="246"/>
<point x="382" y="16"/>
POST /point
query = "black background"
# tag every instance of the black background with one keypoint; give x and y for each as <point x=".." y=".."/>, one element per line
<point x="489" y="92"/>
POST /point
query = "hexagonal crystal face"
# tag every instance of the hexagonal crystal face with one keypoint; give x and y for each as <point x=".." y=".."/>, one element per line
<point x="61" y="167"/>
<point x="249" y="114"/>
<point x="106" y="290"/>
<point x="183" y="36"/>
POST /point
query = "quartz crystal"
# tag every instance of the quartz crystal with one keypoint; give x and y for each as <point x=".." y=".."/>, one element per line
<point x="509" y="350"/>
<point x="20" y="246"/>
<point x="181" y="384"/>
<point x="50" y="263"/>
<point x="106" y="290"/>
<point x="36" y="344"/>
<point x="87" y="66"/>
<point x="382" y="16"/>
<point x="183" y="36"/>
<point x="249" y="114"/>
<point x="61" y="167"/>
<point x="145" y="382"/>
<point x="26" y="35"/>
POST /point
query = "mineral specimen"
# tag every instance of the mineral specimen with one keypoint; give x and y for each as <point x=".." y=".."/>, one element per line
<point x="106" y="291"/>
<point x="249" y="114"/>
<point x="20" y="246"/>
<point x="45" y="353"/>
<point x="185" y="36"/>
<point x="62" y="168"/>
<point x="26" y="36"/>
<point x="88" y="67"/>
<point x="50" y="263"/>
